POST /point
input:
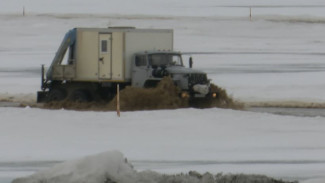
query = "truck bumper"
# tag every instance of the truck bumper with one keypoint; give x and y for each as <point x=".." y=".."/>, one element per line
<point x="209" y="95"/>
<point x="185" y="94"/>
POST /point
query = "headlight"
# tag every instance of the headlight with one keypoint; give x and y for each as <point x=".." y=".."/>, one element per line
<point x="185" y="95"/>
<point x="214" y="95"/>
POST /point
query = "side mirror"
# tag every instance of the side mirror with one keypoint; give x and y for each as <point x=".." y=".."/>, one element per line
<point x="190" y="62"/>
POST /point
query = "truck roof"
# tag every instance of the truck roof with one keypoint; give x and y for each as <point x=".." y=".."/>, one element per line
<point x="122" y="29"/>
<point x="158" y="52"/>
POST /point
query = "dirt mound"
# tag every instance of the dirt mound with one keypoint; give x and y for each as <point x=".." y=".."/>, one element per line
<point x="164" y="96"/>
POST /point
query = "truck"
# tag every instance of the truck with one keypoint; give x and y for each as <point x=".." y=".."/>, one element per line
<point x="91" y="62"/>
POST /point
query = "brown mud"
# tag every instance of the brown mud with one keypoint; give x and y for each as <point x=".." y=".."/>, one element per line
<point x="164" y="96"/>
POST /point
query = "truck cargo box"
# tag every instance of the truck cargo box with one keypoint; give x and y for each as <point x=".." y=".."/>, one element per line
<point x="105" y="54"/>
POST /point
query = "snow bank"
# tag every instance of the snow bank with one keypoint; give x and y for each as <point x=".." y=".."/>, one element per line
<point x="112" y="167"/>
<point x="91" y="169"/>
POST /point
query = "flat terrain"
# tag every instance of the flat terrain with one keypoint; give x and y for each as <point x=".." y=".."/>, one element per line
<point x="275" y="59"/>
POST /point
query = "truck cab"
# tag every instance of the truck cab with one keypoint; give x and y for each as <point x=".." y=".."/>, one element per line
<point x="150" y="67"/>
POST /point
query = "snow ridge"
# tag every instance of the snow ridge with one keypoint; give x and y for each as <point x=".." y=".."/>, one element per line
<point x="112" y="167"/>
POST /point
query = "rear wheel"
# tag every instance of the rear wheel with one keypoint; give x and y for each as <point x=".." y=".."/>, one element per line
<point x="107" y="94"/>
<point x="80" y="96"/>
<point x="56" y="95"/>
<point x="151" y="83"/>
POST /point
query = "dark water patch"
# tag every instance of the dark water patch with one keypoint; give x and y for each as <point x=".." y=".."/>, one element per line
<point x="290" y="111"/>
<point x="266" y="68"/>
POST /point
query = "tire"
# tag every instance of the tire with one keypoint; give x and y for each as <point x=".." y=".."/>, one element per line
<point x="151" y="83"/>
<point x="80" y="96"/>
<point x="106" y="95"/>
<point x="56" y="95"/>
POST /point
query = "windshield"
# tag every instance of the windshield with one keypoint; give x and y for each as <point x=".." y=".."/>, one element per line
<point x="157" y="60"/>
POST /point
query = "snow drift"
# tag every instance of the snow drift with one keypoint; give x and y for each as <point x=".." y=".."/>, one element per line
<point x="91" y="169"/>
<point x="112" y="167"/>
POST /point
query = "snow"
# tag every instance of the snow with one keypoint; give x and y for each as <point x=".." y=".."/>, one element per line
<point x="232" y="141"/>
<point x="90" y="169"/>
<point x="276" y="57"/>
<point x="112" y="167"/>
<point x="167" y="7"/>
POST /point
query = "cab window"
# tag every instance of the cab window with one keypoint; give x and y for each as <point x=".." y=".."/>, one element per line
<point x="140" y="61"/>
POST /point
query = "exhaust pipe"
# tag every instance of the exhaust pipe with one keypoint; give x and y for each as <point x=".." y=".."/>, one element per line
<point x="43" y="79"/>
<point x="190" y="62"/>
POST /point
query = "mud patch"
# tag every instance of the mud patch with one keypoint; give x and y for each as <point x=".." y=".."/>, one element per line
<point x="164" y="96"/>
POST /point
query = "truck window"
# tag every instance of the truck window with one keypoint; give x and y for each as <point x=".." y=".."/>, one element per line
<point x="104" y="46"/>
<point x="175" y="60"/>
<point x="69" y="56"/>
<point x="140" y="61"/>
<point x="158" y="60"/>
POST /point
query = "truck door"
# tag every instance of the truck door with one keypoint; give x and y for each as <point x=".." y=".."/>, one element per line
<point x="140" y="71"/>
<point x="105" y="56"/>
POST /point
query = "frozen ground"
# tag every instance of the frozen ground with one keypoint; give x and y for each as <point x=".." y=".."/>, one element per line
<point x="278" y="58"/>
<point x="170" y="141"/>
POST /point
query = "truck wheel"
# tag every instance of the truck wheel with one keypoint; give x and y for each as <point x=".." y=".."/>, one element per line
<point x="80" y="96"/>
<point x="56" y="95"/>
<point x="151" y="83"/>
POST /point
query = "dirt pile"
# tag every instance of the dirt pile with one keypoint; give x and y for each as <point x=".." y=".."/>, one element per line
<point x="164" y="96"/>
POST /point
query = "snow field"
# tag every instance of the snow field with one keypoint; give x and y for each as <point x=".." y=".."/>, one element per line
<point x="286" y="64"/>
<point x="232" y="8"/>
<point x="217" y="135"/>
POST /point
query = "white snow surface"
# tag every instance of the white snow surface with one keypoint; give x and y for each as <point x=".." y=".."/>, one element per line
<point x="215" y="140"/>
<point x="167" y="7"/>
<point x="286" y="64"/>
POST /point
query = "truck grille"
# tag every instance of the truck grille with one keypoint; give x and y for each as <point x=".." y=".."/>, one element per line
<point x="197" y="79"/>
